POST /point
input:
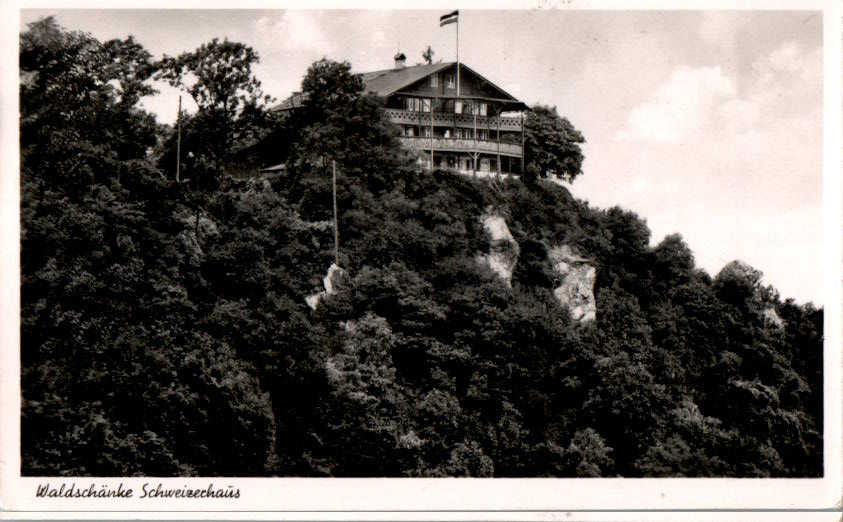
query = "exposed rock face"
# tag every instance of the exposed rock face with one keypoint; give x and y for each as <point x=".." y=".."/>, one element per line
<point x="334" y="276"/>
<point x="503" y="249"/>
<point x="772" y="317"/>
<point x="576" y="290"/>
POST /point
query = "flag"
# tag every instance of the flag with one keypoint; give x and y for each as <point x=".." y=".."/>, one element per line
<point x="449" y="18"/>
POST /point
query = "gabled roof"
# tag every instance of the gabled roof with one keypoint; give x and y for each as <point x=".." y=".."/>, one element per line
<point x="386" y="82"/>
<point x="389" y="81"/>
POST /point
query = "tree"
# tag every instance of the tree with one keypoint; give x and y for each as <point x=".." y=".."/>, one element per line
<point x="740" y="285"/>
<point x="338" y="121"/>
<point x="428" y="55"/>
<point x="552" y="145"/>
<point x="218" y="75"/>
<point x="673" y="263"/>
<point x="366" y="425"/>
<point x="421" y="363"/>
<point x="79" y="103"/>
<point x="328" y="87"/>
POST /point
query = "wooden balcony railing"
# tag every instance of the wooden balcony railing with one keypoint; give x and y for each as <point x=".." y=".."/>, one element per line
<point x="446" y="119"/>
<point x="458" y="145"/>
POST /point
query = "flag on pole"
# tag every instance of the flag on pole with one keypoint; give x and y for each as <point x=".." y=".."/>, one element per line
<point x="449" y="18"/>
<point x="453" y="18"/>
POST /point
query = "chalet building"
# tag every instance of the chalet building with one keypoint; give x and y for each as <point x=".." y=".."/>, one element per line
<point x="478" y="130"/>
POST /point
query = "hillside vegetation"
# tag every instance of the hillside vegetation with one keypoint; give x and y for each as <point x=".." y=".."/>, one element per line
<point x="164" y="328"/>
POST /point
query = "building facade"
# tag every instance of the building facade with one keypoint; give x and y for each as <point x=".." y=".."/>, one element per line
<point x="455" y="119"/>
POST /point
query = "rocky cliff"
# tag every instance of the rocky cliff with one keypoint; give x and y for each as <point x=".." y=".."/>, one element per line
<point x="334" y="276"/>
<point x="503" y="249"/>
<point x="574" y="273"/>
<point x="576" y="288"/>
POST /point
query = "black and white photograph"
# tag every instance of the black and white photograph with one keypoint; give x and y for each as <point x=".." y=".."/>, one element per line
<point x="420" y="242"/>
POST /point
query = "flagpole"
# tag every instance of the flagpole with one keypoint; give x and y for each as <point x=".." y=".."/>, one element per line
<point x="452" y="18"/>
<point x="458" y="55"/>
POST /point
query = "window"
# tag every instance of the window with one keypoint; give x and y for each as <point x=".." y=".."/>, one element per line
<point x="482" y="134"/>
<point x="409" y="131"/>
<point x="434" y="80"/>
<point x="450" y="81"/>
<point x="425" y="105"/>
<point x="458" y="107"/>
<point x="426" y="132"/>
<point x="482" y="108"/>
<point x="416" y="104"/>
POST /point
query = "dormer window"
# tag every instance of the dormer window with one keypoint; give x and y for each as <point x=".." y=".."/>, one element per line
<point x="450" y="81"/>
<point x="434" y="80"/>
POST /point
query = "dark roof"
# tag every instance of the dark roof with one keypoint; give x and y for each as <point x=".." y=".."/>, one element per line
<point x="383" y="83"/>
<point x="389" y="81"/>
<point x="293" y="102"/>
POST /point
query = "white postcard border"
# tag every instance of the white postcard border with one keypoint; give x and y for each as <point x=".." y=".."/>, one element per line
<point x="330" y="499"/>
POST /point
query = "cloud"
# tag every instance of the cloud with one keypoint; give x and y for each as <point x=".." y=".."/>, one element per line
<point x="302" y="30"/>
<point x="288" y="42"/>
<point x="734" y="163"/>
<point x="702" y="106"/>
<point x="295" y="31"/>
<point x="718" y="29"/>
<point x="377" y="39"/>
<point x="680" y="107"/>
<point x="788" y="57"/>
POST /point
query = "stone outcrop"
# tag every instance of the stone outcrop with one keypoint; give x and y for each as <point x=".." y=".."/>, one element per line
<point x="576" y="289"/>
<point x="330" y="282"/>
<point x="772" y="318"/>
<point x="503" y="249"/>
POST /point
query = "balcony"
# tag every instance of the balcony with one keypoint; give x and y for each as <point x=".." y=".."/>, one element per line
<point x="456" y="145"/>
<point x="446" y="119"/>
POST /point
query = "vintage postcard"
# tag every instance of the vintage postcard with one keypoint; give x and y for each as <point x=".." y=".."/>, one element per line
<point x="421" y="261"/>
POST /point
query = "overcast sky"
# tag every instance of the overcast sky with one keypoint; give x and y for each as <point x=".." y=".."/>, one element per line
<point x="704" y="123"/>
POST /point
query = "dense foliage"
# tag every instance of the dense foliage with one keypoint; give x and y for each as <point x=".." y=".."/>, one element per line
<point x="551" y="146"/>
<point x="156" y="340"/>
<point x="218" y="77"/>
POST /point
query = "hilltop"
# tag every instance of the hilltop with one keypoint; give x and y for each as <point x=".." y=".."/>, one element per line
<point x="476" y="327"/>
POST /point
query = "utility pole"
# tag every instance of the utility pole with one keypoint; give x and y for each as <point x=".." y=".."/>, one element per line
<point x="523" y="147"/>
<point x="336" y="228"/>
<point x="178" y="144"/>
<point x="432" y="105"/>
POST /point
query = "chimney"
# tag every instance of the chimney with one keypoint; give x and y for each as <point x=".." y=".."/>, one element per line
<point x="400" y="60"/>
